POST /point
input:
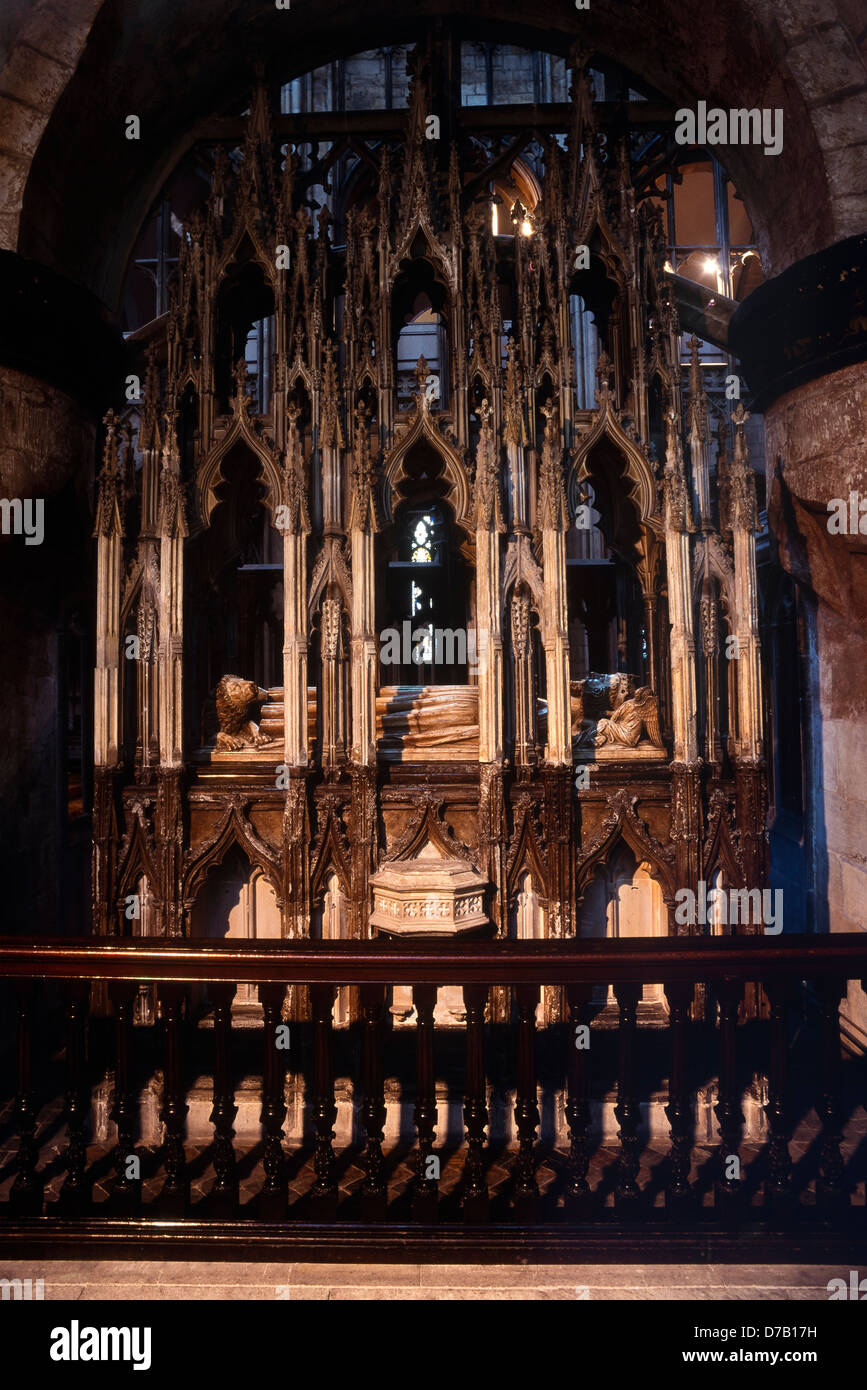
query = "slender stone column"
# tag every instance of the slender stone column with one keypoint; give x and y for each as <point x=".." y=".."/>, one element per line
<point x="172" y="531"/>
<point x="331" y="442"/>
<point x="525" y="694"/>
<point x="150" y="446"/>
<point x="332" y="693"/>
<point x="699" y="438"/>
<point x="740" y="497"/>
<point x="553" y="519"/>
<point x="295" y="533"/>
<point x="686" y="816"/>
<point x="682" y="642"/>
<point x="710" y="658"/>
<point x="489" y="634"/>
<point x="363" y="525"/>
<point x="515" y="437"/>
<point x="108" y="530"/>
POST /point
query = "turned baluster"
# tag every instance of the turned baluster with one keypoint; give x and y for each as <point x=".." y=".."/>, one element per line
<point x="526" y="1200"/>
<point x="831" y="1194"/>
<point x="224" y="1197"/>
<point x="678" y="1193"/>
<point x="127" y="1189"/>
<point x="728" y="1110"/>
<point x="175" y="1195"/>
<point x="425" y="1184"/>
<point x="578" y="1194"/>
<point x="474" y="1197"/>
<point x="627" y="1110"/>
<point x="374" y="1192"/>
<point x="778" y="1184"/>
<point x="324" y="1112"/>
<point x="26" y="1193"/>
<point x="75" y="1194"/>
<point x="274" y="1196"/>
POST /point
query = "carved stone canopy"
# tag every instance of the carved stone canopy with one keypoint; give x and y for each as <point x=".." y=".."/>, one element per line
<point x="431" y="894"/>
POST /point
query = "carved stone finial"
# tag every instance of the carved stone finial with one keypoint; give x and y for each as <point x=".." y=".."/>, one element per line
<point x="422" y="372"/>
<point x="678" y="507"/>
<point x="488" y="508"/>
<point x="294" y="481"/>
<point x="739" y="419"/>
<point x="364" y="510"/>
<point x="331" y="432"/>
<point x="515" y="429"/>
<point x="738" y="490"/>
<point x="604" y="368"/>
<point x="109" y="498"/>
<point x="241" y="376"/>
<point x="553" y="513"/>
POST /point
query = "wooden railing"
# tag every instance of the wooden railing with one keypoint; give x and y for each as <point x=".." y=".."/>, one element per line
<point x="584" y="1206"/>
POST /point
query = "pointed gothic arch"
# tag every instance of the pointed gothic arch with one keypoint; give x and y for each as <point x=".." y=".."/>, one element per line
<point x="423" y="429"/>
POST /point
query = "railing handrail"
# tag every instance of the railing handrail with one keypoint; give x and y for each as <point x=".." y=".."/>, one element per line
<point x="381" y="961"/>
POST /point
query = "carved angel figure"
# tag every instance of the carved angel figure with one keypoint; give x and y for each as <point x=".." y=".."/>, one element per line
<point x="593" y="699"/>
<point x="234" y="698"/>
<point x="624" y="726"/>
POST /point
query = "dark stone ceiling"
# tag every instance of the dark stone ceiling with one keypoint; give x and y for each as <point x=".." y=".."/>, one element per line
<point x="172" y="63"/>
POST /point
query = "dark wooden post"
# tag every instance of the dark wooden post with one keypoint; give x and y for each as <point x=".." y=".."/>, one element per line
<point x="425" y="1186"/>
<point x="26" y="1194"/>
<point x="627" y="1111"/>
<point x="578" y="1195"/>
<point x="374" y="1192"/>
<point x="778" y="1185"/>
<point x="224" y="1197"/>
<point x="831" y="1193"/>
<point x="324" y="1193"/>
<point x="175" y="1195"/>
<point x="126" y="1192"/>
<point x="75" y="1194"/>
<point x="274" y="1196"/>
<point x="678" y="1193"/>
<point x="474" y="1198"/>
<point x="728" y="1188"/>
<point x="526" y="1200"/>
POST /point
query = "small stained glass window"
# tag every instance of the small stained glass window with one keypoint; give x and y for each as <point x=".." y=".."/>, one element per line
<point x="422" y="541"/>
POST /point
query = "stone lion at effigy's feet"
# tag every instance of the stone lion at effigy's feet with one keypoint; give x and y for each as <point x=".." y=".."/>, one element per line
<point x="234" y="698"/>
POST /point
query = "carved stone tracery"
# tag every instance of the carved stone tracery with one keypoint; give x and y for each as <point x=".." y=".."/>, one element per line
<point x="498" y="447"/>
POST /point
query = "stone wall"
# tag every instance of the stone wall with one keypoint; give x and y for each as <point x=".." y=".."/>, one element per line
<point x="819" y="433"/>
<point x="46" y="451"/>
<point x="41" y="51"/>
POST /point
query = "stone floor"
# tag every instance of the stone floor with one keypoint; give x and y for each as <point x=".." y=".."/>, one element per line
<point x="122" y="1280"/>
